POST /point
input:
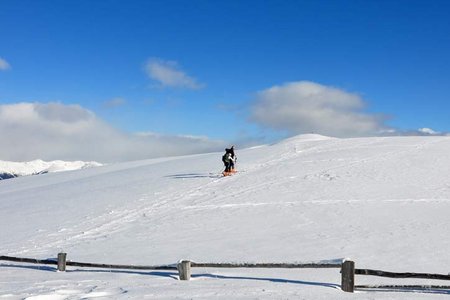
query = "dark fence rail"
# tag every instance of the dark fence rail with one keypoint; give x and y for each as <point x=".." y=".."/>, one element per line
<point x="348" y="278"/>
<point x="86" y="265"/>
<point x="30" y="260"/>
<point x="417" y="287"/>
<point x="128" y="267"/>
<point x="184" y="266"/>
<point x="267" y="265"/>
<point x="401" y="275"/>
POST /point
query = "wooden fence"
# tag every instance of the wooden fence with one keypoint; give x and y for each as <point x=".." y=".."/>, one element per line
<point x="348" y="270"/>
<point x="61" y="262"/>
<point x="348" y="278"/>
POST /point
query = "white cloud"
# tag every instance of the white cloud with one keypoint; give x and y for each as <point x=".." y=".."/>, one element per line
<point x="414" y="132"/>
<point x="429" y="131"/>
<point x="4" y="65"/>
<point x="305" y="107"/>
<point x="169" y="74"/>
<point x="69" y="132"/>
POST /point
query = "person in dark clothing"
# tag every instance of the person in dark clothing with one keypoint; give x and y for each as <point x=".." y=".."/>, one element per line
<point x="229" y="159"/>
<point x="233" y="158"/>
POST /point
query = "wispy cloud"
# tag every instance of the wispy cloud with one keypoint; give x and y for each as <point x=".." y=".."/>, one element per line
<point x="4" y="65"/>
<point x="70" y="132"/>
<point x="415" y="132"/>
<point x="429" y="131"/>
<point x="169" y="74"/>
<point x="115" y="102"/>
<point x="305" y="107"/>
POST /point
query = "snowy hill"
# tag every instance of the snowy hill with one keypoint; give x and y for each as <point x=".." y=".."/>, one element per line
<point x="15" y="169"/>
<point x="383" y="202"/>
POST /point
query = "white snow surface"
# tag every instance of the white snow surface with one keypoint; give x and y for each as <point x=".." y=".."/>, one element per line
<point x="39" y="166"/>
<point x="383" y="202"/>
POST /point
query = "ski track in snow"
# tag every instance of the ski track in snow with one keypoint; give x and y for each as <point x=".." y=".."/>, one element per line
<point x="86" y="293"/>
<point x="319" y="202"/>
<point x="188" y="199"/>
<point x="116" y="221"/>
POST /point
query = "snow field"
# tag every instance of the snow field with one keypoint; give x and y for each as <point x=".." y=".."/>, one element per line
<point x="383" y="202"/>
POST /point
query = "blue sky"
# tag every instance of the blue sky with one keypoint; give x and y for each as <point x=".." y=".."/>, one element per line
<point x="226" y="71"/>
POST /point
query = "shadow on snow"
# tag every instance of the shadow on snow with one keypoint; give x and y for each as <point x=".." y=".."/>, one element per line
<point x="406" y="290"/>
<point x="193" y="176"/>
<point x="277" y="280"/>
<point x="174" y="275"/>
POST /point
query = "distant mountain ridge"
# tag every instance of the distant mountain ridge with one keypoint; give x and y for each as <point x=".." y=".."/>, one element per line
<point x="15" y="169"/>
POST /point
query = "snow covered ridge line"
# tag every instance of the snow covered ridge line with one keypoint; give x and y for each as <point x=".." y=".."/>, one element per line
<point x="15" y="169"/>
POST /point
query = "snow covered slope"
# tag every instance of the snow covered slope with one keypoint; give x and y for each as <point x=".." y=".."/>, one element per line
<point x="383" y="202"/>
<point x="15" y="169"/>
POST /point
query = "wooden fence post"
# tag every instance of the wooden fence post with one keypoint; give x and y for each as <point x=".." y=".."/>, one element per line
<point x="62" y="262"/>
<point x="348" y="276"/>
<point x="184" y="269"/>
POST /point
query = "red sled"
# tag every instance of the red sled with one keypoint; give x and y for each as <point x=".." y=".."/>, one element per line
<point x="228" y="173"/>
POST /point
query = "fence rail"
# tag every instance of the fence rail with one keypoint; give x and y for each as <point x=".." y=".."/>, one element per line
<point x="401" y="275"/>
<point x="418" y="287"/>
<point x="184" y="267"/>
<point x="30" y="260"/>
<point x="348" y="270"/>
<point x="86" y="265"/>
<point x="267" y="265"/>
